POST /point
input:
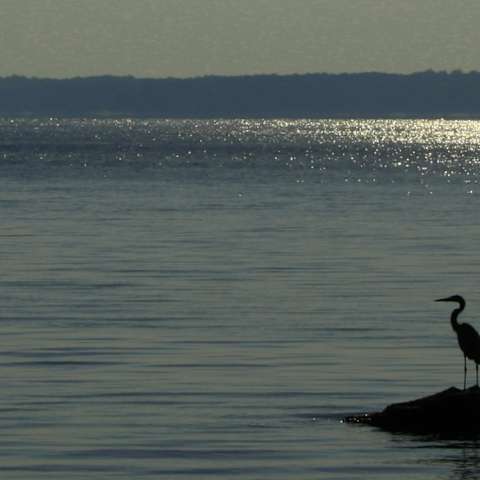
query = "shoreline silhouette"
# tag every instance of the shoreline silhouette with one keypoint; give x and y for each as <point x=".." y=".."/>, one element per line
<point x="426" y="94"/>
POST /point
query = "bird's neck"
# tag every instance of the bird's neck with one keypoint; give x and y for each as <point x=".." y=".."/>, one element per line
<point x="454" y="317"/>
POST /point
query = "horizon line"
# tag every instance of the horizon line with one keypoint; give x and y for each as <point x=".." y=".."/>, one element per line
<point x="455" y="71"/>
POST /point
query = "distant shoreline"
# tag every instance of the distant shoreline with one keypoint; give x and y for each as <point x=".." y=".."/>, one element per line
<point x="422" y="95"/>
<point x="119" y="116"/>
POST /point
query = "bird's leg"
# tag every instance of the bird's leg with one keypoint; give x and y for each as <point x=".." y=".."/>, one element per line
<point x="464" y="372"/>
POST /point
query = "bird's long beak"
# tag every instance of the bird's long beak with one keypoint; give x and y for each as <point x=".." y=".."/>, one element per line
<point x="443" y="299"/>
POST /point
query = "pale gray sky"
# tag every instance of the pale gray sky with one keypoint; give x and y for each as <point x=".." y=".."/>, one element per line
<point x="182" y="38"/>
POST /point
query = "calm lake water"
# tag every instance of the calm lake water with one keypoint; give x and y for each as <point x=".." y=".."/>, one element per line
<point x="208" y="299"/>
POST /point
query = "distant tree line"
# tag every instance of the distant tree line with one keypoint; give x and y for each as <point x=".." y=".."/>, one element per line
<point x="423" y="94"/>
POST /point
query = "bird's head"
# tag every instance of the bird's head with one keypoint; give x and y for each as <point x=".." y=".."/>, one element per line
<point x="454" y="298"/>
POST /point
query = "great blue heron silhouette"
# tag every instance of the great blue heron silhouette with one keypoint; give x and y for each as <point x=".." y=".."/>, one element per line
<point x="468" y="337"/>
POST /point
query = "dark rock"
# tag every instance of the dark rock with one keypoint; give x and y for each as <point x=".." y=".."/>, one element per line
<point x="452" y="410"/>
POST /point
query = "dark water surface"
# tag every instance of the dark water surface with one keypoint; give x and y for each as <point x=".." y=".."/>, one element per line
<point x="207" y="299"/>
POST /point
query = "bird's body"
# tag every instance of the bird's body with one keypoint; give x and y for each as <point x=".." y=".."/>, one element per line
<point x="469" y="341"/>
<point x="468" y="338"/>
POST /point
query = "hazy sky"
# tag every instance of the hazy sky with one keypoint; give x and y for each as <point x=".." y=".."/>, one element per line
<point x="181" y="38"/>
